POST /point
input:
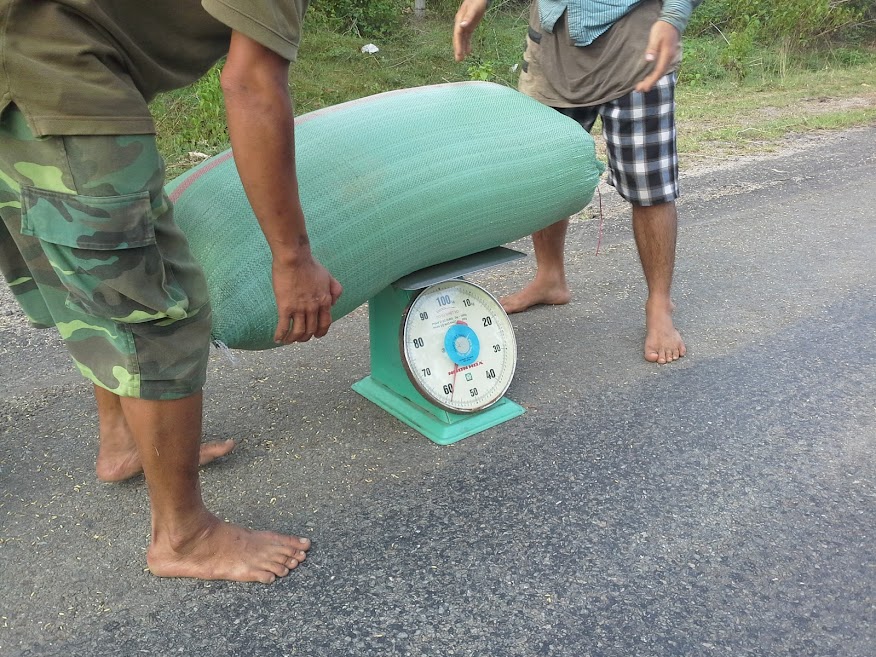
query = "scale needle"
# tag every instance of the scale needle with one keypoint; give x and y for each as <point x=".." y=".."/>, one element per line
<point x="455" y="368"/>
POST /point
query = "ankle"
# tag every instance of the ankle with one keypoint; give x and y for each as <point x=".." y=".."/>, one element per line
<point x="115" y="434"/>
<point x="554" y="279"/>
<point x="659" y="303"/>
<point x="180" y="535"/>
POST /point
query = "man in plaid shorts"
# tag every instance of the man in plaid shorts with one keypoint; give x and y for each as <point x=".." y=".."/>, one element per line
<point x="614" y="59"/>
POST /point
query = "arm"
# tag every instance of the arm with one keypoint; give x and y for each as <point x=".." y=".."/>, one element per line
<point x="665" y="36"/>
<point x="466" y="22"/>
<point x="677" y="12"/>
<point x="261" y="126"/>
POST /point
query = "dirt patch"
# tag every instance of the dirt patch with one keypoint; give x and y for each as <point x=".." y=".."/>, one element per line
<point x="768" y="129"/>
<point x="819" y="105"/>
<point x="824" y="105"/>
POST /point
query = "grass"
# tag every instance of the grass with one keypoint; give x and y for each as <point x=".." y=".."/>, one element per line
<point x="722" y="109"/>
<point x="756" y="115"/>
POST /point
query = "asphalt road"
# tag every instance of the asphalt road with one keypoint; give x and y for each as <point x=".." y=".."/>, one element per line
<point x="722" y="505"/>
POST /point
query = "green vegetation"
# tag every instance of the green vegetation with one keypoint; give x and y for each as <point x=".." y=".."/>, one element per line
<point x="754" y="71"/>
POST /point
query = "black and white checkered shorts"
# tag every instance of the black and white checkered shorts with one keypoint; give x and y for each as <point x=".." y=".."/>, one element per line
<point x="639" y="132"/>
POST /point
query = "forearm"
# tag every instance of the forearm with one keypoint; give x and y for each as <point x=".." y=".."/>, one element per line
<point x="678" y="12"/>
<point x="255" y="82"/>
<point x="263" y="142"/>
<point x="261" y="128"/>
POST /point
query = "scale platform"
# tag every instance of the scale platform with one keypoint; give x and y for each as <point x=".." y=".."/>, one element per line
<point x="442" y="350"/>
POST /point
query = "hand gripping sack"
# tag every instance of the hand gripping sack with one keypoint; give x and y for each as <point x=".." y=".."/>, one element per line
<point x="389" y="184"/>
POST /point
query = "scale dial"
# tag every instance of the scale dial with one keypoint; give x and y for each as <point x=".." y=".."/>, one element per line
<point x="458" y="346"/>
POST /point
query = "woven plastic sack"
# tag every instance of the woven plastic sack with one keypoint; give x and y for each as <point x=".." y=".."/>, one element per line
<point x="390" y="184"/>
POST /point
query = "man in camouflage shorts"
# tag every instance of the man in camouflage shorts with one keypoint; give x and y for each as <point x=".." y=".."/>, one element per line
<point x="88" y="244"/>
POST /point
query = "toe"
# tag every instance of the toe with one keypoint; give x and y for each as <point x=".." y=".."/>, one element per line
<point x="301" y="544"/>
<point x="267" y="578"/>
<point x="215" y="449"/>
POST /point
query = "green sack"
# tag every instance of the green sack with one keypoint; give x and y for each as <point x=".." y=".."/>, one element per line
<point x="390" y="184"/>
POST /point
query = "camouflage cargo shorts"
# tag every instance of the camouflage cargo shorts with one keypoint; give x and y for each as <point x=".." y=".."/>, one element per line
<point x="88" y="245"/>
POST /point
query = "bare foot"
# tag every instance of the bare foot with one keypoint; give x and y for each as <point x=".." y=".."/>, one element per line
<point x="535" y="294"/>
<point x="221" y="550"/>
<point x="118" y="460"/>
<point x="663" y="343"/>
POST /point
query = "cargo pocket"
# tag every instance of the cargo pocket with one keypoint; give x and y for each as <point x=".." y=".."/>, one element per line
<point x="104" y="252"/>
<point x="528" y="82"/>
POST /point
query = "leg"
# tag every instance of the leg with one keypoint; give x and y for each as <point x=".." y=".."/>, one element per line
<point x="187" y="540"/>
<point x="639" y="131"/>
<point x="655" y="229"/>
<point x="117" y="457"/>
<point x="549" y="285"/>
<point x="132" y="309"/>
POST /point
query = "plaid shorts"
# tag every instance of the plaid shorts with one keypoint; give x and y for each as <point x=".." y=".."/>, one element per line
<point x="639" y="132"/>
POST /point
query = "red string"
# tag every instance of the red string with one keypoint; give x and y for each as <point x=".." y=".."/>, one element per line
<point x="599" y="240"/>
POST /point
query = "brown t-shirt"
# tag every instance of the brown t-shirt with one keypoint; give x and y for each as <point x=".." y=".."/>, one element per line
<point x="560" y="74"/>
<point x="90" y="67"/>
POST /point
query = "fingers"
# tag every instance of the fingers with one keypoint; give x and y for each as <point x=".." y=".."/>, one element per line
<point x="648" y="83"/>
<point x="467" y="19"/>
<point x="284" y="328"/>
<point x="324" y="316"/>
<point x="336" y="289"/>
<point x="323" y="322"/>
<point x="652" y="53"/>
<point x="662" y="46"/>
<point x="314" y="323"/>
<point x="305" y="293"/>
<point x="290" y="328"/>
<point x="461" y="40"/>
<point x="300" y="327"/>
<point x="311" y="321"/>
<point x="663" y="58"/>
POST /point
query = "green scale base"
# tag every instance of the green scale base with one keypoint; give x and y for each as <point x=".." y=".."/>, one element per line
<point x="389" y="387"/>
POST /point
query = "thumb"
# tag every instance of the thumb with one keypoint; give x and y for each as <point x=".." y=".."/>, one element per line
<point x="335" y="290"/>
<point x="651" y="50"/>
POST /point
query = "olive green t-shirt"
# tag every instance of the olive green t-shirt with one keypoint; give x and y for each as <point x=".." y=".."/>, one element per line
<point x="90" y="67"/>
<point x="560" y="74"/>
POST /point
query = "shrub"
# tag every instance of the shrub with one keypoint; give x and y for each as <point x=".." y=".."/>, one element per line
<point x="701" y="63"/>
<point x="449" y="7"/>
<point x="361" y="17"/>
<point x="798" y="23"/>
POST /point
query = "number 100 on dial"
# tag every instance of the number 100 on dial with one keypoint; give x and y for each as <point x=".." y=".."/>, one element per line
<point x="458" y="346"/>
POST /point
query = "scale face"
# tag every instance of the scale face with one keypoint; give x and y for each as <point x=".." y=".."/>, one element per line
<point x="458" y="346"/>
